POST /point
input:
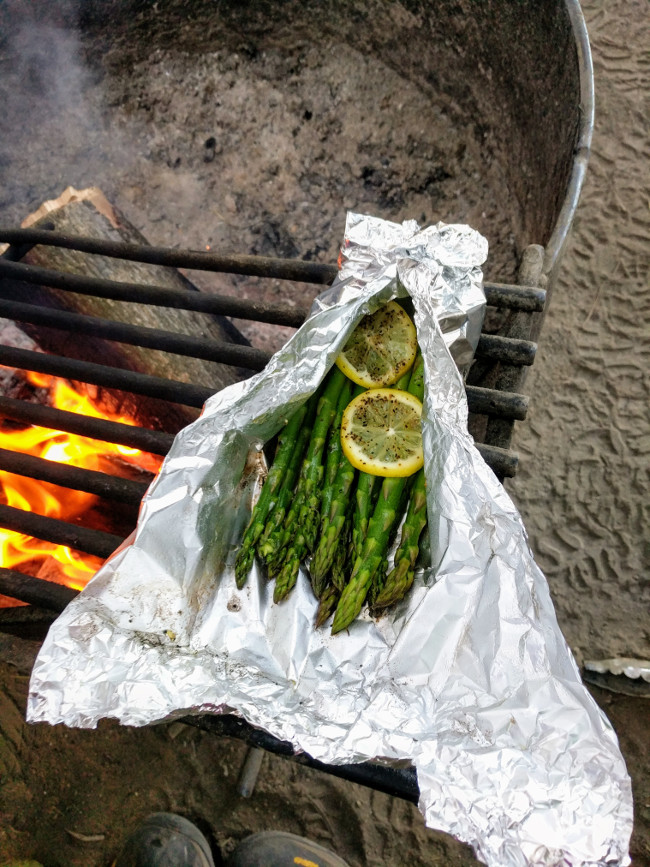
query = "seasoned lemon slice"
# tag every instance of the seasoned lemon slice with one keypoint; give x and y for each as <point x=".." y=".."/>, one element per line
<point x="381" y="348"/>
<point x="380" y="432"/>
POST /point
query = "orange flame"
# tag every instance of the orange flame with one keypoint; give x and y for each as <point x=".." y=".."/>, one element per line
<point x="23" y="553"/>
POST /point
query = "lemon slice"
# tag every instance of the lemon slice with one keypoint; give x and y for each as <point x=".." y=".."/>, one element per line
<point x="381" y="348"/>
<point x="380" y="432"/>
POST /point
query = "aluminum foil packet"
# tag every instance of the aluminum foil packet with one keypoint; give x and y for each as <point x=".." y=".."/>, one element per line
<point x="469" y="678"/>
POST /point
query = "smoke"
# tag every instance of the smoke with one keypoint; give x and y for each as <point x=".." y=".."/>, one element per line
<point x="49" y="104"/>
<point x="207" y="134"/>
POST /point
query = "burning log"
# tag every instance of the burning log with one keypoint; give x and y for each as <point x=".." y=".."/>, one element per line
<point x="87" y="213"/>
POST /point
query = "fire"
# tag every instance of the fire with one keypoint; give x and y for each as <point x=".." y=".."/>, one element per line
<point x="23" y="553"/>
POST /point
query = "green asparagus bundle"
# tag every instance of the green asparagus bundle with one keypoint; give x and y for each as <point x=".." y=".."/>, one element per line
<point x="270" y="491"/>
<point x="345" y="469"/>
<point x="364" y="503"/>
<point x="399" y="580"/>
<point x="269" y="546"/>
<point x="301" y="524"/>
<point x="334" y="453"/>
<point x="333" y="523"/>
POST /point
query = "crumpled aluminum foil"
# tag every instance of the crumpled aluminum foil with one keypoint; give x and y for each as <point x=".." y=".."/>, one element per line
<point x="469" y="678"/>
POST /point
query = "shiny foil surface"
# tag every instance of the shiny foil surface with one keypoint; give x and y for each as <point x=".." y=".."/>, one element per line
<point x="469" y="678"/>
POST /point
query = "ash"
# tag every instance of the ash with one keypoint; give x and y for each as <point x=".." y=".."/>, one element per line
<point x="213" y="126"/>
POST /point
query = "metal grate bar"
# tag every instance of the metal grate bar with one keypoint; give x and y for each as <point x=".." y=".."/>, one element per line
<point x="399" y="782"/>
<point x="253" y="266"/>
<point x="67" y="476"/>
<point x="59" y="532"/>
<point x="504" y="463"/>
<point x="151" y="338"/>
<point x="483" y="401"/>
<point x="156" y="296"/>
<point x="508" y="350"/>
<point x="156" y="442"/>
<point x="109" y="377"/>
<point x="526" y="298"/>
<point x="35" y="591"/>
<point x="505" y="404"/>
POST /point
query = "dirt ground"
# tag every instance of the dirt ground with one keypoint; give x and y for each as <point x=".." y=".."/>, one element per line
<point x="68" y="797"/>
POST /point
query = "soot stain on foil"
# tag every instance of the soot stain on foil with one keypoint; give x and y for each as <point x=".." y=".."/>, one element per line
<point x="234" y="604"/>
<point x="255" y="472"/>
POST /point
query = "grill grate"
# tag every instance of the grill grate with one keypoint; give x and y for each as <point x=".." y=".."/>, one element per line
<point x="482" y="401"/>
<point x="45" y="599"/>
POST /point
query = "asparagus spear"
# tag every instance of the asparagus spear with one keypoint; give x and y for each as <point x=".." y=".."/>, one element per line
<point x="278" y="536"/>
<point x="268" y="542"/>
<point x="331" y="529"/>
<point x="399" y="581"/>
<point x="334" y="519"/>
<point x="287" y="573"/>
<point x="327" y="604"/>
<point x="378" y="580"/>
<point x="366" y="491"/>
<point x="380" y="577"/>
<point x="301" y="522"/>
<point x="339" y="570"/>
<point x="270" y="489"/>
<point x="309" y="514"/>
<point x="342" y="557"/>
<point x="367" y="485"/>
<point x="373" y="553"/>
<point x="380" y="526"/>
<point x="334" y="451"/>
